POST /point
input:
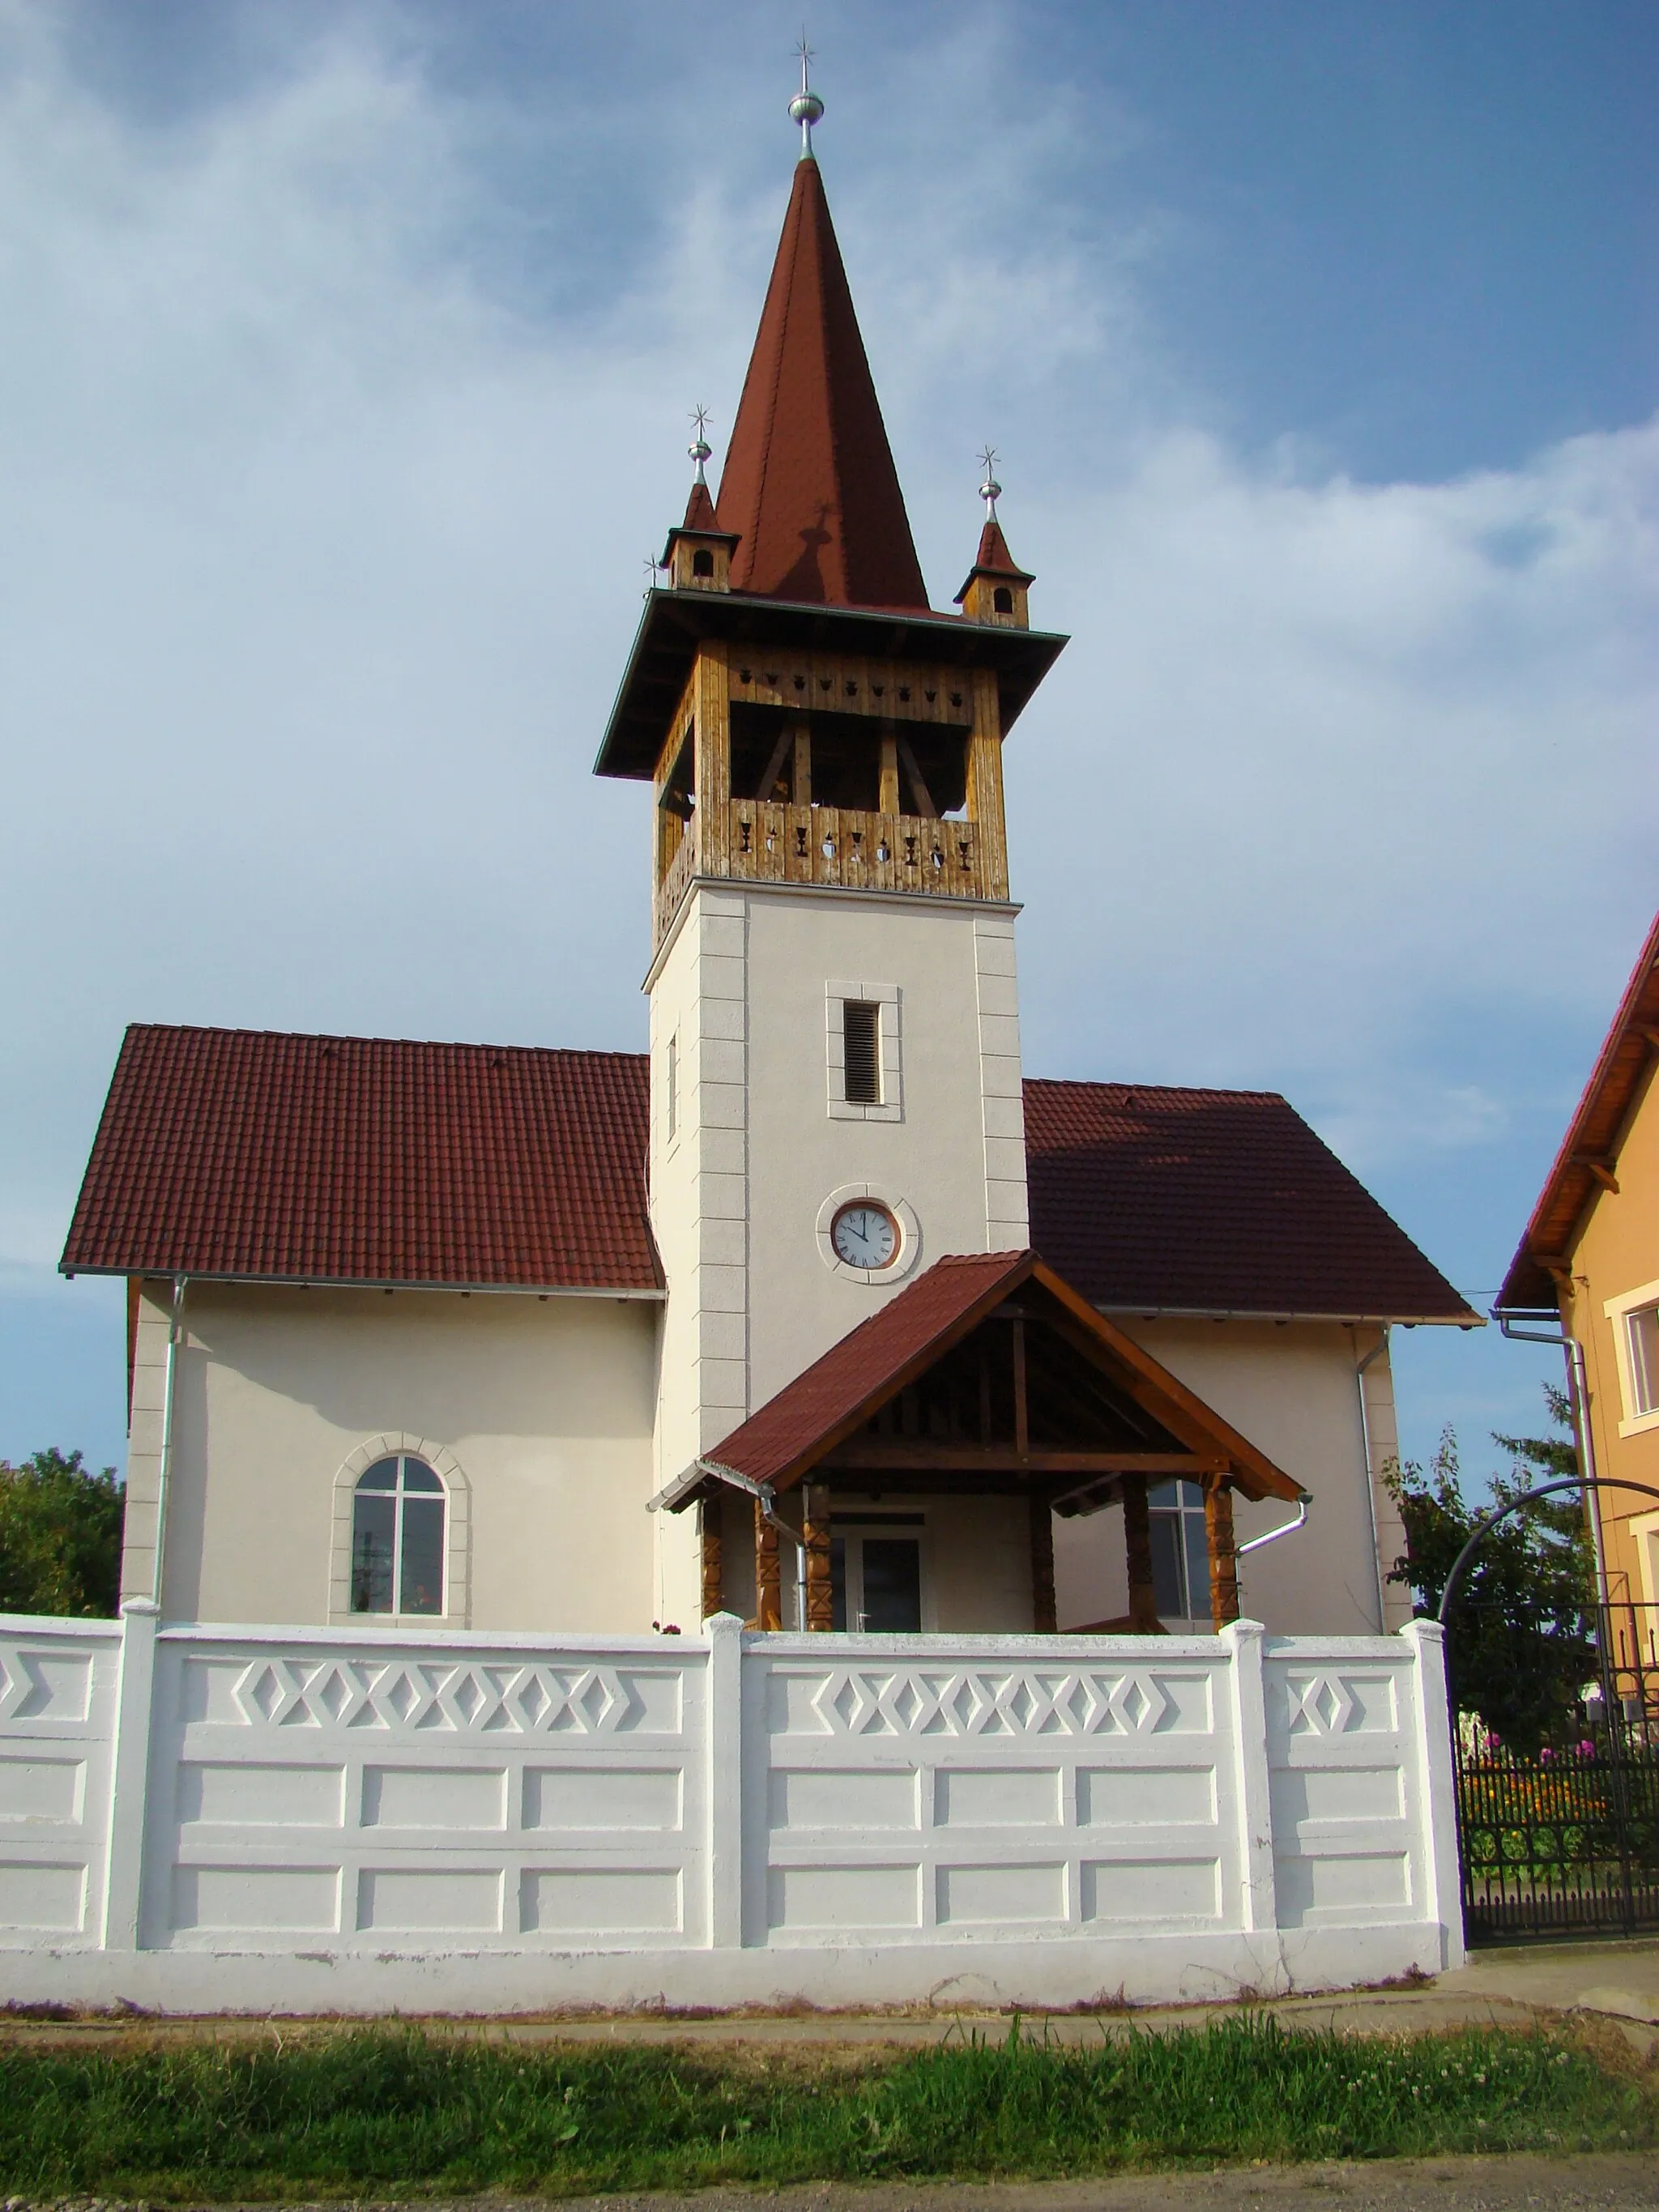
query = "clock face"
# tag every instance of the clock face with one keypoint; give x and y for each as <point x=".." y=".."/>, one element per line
<point x="864" y="1235"/>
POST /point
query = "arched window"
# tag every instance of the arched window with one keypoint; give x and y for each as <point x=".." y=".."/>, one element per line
<point x="1002" y="600"/>
<point x="397" y="1538"/>
<point x="702" y="562"/>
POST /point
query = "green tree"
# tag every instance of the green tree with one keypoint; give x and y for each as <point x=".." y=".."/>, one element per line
<point x="60" y="1536"/>
<point x="1521" y="1644"/>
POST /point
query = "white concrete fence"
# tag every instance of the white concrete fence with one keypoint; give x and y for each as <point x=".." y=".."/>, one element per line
<point x="254" y="1818"/>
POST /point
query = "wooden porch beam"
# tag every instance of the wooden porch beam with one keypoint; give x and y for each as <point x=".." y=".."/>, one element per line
<point x="712" y="1509"/>
<point x="1045" y="1618"/>
<point x="820" y="1586"/>
<point x="768" y="1602"/>
<point x="1022" y="1410"/>
<point x="1138" y="1543"/>
<point x="1223" y="1550"/>
<point x="856" y="1455"/>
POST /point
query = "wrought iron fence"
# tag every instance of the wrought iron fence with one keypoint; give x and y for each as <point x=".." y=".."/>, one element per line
<point x="1561" y="1835"/>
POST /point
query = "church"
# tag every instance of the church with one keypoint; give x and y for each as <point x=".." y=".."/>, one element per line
<point x="820" y="1312"/>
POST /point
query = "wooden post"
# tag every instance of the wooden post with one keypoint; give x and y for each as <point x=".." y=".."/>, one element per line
<point x="1223" y="1548"/>
<point x="985" y="787"/>
<point x="1044" y="1618"/>
<point x="769" y="1608"/>
<point x="888" y="802"/>
<point x="1021" y="1412"/>
<point x="712" y="692"/>
<point x="714" y="1554"/>
<point x="801" y="775"/>
<point x="820" y="1586"/>
<point x="1138" y="1543"/>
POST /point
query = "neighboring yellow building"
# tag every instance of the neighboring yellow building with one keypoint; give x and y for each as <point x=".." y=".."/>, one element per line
<point x="1590" y="1255"/>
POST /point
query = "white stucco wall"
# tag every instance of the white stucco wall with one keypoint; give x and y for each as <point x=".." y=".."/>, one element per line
<point x="1294" y="1391"/>
<point x="544" y="1405"/>
<point x="739" y="1186"/>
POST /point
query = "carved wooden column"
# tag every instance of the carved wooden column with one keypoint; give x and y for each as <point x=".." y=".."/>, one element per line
<point x="1044" y="1618"/>
<point x="714" y="1554"/>
<point x="1223" y="1550"/>
<point x="769" y="1609"/>
<point x="1138" y="1544"/>
<point x="820" y="1585"/>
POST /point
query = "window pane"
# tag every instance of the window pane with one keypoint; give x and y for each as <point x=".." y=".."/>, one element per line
<point x="1644" y="1360"/>
<point x="372" y="1523"/>
<point x="892" y="1584"/>
<point x="1168" y="1582"/>
<point x="422" y="1585"/>
<point x="383" y="1475"/>
<point x="417" y="1475"/>
<point x="1198" y="1566"/>
<point x="1163" y="1493"/>
<point x="838" y="1582"/>
<point x="1192" y="1495"/>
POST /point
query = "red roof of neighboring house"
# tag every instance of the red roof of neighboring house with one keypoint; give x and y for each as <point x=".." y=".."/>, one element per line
<point x="838" y="1393"/>
<point x="808" y="483"/>
<point x="1151" y="1199"/>
<point x="242" y="1153"/>
<point x="1589" y="1149"/>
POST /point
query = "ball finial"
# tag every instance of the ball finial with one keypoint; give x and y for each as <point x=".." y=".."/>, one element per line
<point x="806" y="108"/>
<point x="990" y="490"/>
<point x="700" y="449"/>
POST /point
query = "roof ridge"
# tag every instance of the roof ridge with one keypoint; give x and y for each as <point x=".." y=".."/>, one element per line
<point x="354" y="1036"/>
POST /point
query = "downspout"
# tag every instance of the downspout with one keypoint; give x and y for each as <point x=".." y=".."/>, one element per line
<point x="1376" y="1352"/>
<point x="1285" y="1528"/>
<point x="175" y="1331"/>
<point x="1578" y="1397"/>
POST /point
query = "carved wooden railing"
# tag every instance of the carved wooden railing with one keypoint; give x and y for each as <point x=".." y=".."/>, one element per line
<point x="767" y="842"/>
<point x="773" y="843"/>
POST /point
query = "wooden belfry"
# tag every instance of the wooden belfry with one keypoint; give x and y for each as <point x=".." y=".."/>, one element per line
<point x="990" y="1376"/>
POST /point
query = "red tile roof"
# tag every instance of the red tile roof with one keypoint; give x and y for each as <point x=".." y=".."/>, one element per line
<point x="1153" y="1200"/>
<point x="1621" y="1068"/>
<point x="247" y="1153"/>
<point x="809" y="483"/>
<point x="838" y="1393"/>
<point x="238" y="1152"/>
<point x="829" y="1399"/>
<point x="993" y="558"/>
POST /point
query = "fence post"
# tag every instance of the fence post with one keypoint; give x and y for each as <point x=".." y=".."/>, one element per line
<point x="129" y="1776"/>
<point x="1438" y="1783"/>
<point x="723" y="1840"/>
<point x="1244" y="1641"/>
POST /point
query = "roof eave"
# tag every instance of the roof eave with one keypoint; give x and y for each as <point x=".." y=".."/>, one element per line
<point x="1020" y="658"/>
<point x="164" y="1270"/>
<point x="1465" y="1317"/>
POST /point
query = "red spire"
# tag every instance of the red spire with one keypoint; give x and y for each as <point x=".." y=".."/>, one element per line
<point x="808" y="483"/>
<point x="700" y="509"/>
<point x="994" y="558"/>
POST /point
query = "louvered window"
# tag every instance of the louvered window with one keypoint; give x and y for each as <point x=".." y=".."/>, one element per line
<point x="861" y="1041"/>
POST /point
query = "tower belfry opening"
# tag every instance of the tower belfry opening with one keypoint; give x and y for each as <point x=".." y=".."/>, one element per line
<point x="803" y="715"/>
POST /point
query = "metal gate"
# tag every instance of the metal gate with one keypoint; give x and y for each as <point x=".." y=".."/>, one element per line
<point x="1565" y="1838"/>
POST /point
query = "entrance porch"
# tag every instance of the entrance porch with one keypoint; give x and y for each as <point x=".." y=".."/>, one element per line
<point x="908" y="1480"/>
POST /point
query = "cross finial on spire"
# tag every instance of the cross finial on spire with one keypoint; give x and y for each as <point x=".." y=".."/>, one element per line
<point x="700" y="450"/>
<point x="806" y="108"/>
<point x="990" y="491"/>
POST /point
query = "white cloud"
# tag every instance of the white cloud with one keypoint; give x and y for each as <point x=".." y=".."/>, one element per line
<point x="321" y="537"/>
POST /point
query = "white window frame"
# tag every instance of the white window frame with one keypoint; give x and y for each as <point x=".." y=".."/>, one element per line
<point x="458" y="1534"/>
<point x="1620" y="1312"/>
<point x="836" y="993"/>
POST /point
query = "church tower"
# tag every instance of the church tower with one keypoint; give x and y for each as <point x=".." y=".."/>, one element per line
<point x="836" y="1078"/>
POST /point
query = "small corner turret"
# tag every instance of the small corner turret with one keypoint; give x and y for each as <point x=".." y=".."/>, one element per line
<point x="996" y="590"/>
<point x="698" y="554"/>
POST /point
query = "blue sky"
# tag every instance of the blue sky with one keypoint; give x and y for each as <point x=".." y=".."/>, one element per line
<point x="346" y="360"/>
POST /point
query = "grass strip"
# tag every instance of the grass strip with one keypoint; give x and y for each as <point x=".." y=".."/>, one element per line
<point x="399" y="2113"/>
